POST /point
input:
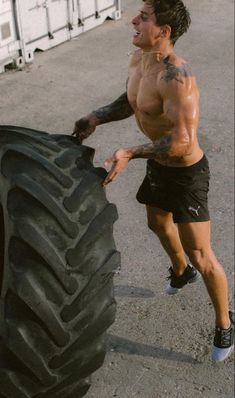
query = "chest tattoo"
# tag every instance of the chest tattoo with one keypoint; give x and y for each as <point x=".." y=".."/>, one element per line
<point x="174" y="72"/>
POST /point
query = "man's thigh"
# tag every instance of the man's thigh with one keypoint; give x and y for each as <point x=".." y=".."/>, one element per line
<point x="195" y="236"/>
<point x="158" y="216"/>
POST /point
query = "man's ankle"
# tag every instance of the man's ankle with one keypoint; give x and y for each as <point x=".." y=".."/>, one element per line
<point x="179" y="269"/>
<point x="223" y="323"/>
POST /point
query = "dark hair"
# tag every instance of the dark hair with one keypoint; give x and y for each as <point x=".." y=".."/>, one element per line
<point x="172" y="13"/>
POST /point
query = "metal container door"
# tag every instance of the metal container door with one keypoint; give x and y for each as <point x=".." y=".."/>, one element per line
<point x="9" y="44"/>
<point x="87" y="9"/>
<point x="103" y="5"/>
<point x="33" y="16"/>
<point x="60" y="15"/>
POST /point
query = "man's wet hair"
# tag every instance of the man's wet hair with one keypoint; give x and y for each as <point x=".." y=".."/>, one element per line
<point x="172" y="13"/>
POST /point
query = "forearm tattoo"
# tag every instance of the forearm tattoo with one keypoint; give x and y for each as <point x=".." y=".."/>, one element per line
<point x="118" y="110"/>
<point x="150" y="151"/>
<point x="175" y="72"/>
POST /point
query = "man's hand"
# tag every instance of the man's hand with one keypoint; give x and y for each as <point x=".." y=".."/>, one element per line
<point x="119" y="161"/>
<point x="85" y="127"/>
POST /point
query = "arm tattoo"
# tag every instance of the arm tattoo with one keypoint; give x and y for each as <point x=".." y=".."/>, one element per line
<point x="150" y="151"/>
<point x="118" y="110"/>
<point x="175" y="72"/>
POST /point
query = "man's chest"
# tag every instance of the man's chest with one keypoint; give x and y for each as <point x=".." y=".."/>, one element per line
<point x="143" y="93"/>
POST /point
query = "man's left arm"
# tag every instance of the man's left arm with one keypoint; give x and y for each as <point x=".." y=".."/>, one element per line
<point x="181" y="112"/>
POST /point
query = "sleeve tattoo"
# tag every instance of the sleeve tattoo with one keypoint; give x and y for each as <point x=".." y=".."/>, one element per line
<point x="117" y="110"/>
<point x="150" y="151"/>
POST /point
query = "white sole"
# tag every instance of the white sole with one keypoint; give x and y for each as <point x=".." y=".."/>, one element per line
<point x="220" y="354"/>
<point x="171" y="290"/>
<point x="174" y="290"/>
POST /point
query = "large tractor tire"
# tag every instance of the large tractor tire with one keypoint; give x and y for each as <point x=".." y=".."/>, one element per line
<point x="57" y="261"/>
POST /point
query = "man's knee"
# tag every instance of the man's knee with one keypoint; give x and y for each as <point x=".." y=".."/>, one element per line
<point x="160" y="228"/>
<point x="203" y="261"/>
<point x="152" y="225"/>
<point x="156" y="226"/>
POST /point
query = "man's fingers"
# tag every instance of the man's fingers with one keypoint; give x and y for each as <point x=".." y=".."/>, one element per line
<point x="78" y="137"/>
<point x="113" y="172"/>
<point x="110" y="177"/>
<point x="119" y="162"/>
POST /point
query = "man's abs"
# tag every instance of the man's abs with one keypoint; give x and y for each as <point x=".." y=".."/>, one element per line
<point x="155" y="129"/>
<point x="155" y="126"/>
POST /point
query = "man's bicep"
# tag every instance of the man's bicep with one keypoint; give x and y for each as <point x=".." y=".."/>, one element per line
<point x="179" y="105"/>
<point x="181" y="114"/>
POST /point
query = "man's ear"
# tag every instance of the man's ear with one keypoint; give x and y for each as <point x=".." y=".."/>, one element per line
<point x="166" y="31"/>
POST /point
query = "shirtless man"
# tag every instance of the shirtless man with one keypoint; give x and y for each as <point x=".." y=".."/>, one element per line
<point x="162" y="94"/>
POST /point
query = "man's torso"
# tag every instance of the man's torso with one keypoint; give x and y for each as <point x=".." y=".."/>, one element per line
<point x="146" y="96"/>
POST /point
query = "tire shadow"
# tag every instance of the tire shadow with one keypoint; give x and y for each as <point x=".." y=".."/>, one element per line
<point x="132" y="291"/>
<point x="125" y="346"/>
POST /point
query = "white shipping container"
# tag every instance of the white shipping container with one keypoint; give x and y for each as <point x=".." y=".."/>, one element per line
<point x="28" y="25"/>
<point x="9" y="34"/>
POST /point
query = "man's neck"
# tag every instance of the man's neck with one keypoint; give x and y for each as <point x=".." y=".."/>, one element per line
<point x="154" y="56"/>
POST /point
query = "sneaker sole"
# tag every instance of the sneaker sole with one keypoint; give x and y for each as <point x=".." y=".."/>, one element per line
<point x="220" y="354"/>
<point x="174" y="290"/>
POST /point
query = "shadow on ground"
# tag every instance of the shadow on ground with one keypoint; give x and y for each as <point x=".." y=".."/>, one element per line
<point x="125" y="346"/>
<point x="132" y="291"/>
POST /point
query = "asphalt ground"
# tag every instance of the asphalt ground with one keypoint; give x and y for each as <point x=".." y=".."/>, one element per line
<point x="159" y="346"/>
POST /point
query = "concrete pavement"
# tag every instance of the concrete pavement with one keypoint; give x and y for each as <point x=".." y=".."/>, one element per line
<point x="159" y="346"/>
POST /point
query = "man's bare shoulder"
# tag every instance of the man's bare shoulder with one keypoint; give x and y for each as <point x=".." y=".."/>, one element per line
<point x="176" y="79"/>
<point x="176" y="70"/>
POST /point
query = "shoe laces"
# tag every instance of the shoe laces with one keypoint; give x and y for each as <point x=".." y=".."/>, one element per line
<point x="172" y="274"/>
<point x="223" y="337"/>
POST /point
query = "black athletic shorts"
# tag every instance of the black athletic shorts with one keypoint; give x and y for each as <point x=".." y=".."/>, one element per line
<point x="180" y="190"/>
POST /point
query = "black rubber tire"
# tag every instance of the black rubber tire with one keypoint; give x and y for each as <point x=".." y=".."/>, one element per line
<point x="57" y="261"/>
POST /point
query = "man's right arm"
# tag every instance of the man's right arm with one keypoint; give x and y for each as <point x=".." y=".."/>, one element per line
<point x="118" y="110"/>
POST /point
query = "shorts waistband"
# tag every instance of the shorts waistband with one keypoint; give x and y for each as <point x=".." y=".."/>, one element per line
<point x="203" y="162"/>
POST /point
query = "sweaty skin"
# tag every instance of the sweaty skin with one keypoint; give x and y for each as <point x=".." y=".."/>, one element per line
<point x="163" y="94"/>
<point x="165" y="99"/>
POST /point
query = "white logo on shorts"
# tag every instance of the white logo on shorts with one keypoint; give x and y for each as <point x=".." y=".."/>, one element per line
<point x="194" y="210"/>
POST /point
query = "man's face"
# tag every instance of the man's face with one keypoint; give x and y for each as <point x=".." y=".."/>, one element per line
<point x="147" y="33"/>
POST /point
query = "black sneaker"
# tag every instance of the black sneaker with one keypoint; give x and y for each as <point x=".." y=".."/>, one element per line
<point x="190" y="275"/>
<point x="223" y="342"/>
